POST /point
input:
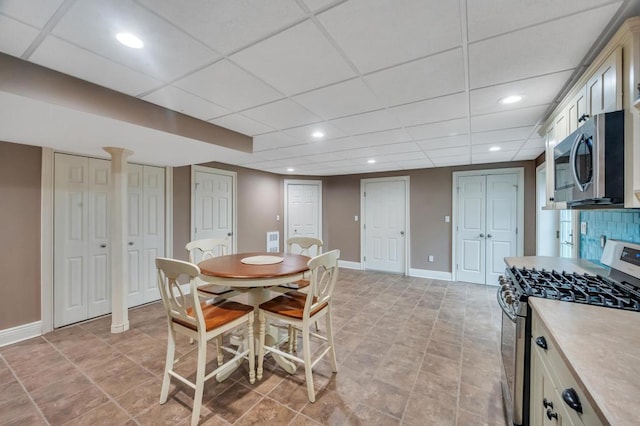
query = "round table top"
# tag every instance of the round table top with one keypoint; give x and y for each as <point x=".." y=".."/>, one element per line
<point x="231" y="266"/>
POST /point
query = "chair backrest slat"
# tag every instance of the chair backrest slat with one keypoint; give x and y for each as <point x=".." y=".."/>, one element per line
<point x="307" y="246"/>
<point x="175" y="301"/>
<point x="324" y="273"/>
<point x="207" y="248"/>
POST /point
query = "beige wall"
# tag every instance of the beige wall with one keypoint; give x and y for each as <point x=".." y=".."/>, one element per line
<point x="20" y="171"/>
<point x="260" y="200"/>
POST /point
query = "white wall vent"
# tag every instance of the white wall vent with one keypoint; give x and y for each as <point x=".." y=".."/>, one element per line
<point x="273" y="242"/>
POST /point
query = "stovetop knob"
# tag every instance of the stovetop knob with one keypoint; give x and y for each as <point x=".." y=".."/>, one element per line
<point x="508" y="297"/>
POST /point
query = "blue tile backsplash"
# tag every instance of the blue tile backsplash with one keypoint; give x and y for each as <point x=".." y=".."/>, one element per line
<point x="615" y="224"/>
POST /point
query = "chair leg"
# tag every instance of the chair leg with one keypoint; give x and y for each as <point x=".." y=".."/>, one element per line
<point x="291" y="337"/>
<point x="332" y="352"/>
<point x="295" y="339"/>
<point x="168" y="366"/>
<point x="252" y="352"/>
<point x="306" y="350"/>
<point x="262" y="320"/>
<point x="219" y="349"/>
<point x="197" y="398"/>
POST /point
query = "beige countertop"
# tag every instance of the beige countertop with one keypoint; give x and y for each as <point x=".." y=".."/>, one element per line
<point x="601" y="346"/>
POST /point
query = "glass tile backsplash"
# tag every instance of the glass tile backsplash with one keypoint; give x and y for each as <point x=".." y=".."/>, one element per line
<point x="615" y="224"/>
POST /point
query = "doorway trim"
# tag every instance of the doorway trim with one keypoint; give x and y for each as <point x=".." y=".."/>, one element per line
<point x="454" y="209"/>
<point x="285" y="222"/>
<point x="407" y="216"/>
<point x="234" y="209"/>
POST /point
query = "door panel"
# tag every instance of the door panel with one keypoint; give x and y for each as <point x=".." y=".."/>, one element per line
<point x="385" y="226"/>
<point x="213" y="206"/>
<point x="501" y="223"/>
<point x="302" y="210"/>
<point x="153" y="230"/>
<point x="135" y="219"/>
<point x="471" y="223"/>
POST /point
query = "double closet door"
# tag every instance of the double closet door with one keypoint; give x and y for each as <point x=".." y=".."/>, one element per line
<point x="82" y="285"/>
<point x="486" y="226"/>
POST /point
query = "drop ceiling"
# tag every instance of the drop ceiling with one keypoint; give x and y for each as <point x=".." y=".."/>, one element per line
<point x="409" y="84"/>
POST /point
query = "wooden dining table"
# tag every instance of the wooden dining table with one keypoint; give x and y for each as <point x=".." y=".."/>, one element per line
<point x="240" y="272"/>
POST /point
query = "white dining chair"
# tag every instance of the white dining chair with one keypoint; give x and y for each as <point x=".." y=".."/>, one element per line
<point x="204" y="249"/>
<point x="202" y="322"/>
<point x="300" y="310"/>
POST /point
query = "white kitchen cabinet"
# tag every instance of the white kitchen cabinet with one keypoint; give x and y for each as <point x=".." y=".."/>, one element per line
<point x="603" y="90"/>
<point x="553" y="386"/>
<point x="576" y="111"/>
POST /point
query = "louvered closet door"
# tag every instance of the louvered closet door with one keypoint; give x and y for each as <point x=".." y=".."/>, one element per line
<point x="81" y="260"/>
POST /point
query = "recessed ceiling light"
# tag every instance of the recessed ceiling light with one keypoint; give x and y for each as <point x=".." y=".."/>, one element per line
<point x="510" y="99"/>
<point x="495" y="148"/>
<point x="291" y="169"/>
<point x="130" y="40"/>
<point x="371" y="161"/>
<point x="317" y="134"/>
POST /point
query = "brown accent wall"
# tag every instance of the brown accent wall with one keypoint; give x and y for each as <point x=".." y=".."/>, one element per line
<point x="20" y="174"/>
<point x="181" y="211"/>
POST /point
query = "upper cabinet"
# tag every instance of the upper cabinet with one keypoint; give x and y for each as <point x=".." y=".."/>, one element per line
<point x="610" y="83"/>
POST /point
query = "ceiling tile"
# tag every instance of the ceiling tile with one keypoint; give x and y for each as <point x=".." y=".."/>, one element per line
<point x="432" y="110"/>
<point x="528" y="154"/>
<point x="273" y="140"/>
<point x="517" y="133"/>
<point x="504" y="146"/>
<point x="534" y="91"/>
<point x="492" y="157"/>
<point x="421" y="163"/>
<point x="167" y="54"/>
<point x="345" y="98"/>
<point x="240" y="123"/>
<point x="186" y="103"/>
<point x="439" y="129"/>
<point x="282" y="114"/>
<point x="226" y="25"/>
<point x="448" y="152"/>
<point x="535" y="141"/>
<point x="64" y="57"/>
<point x="304" y="133"/>
<point x="227" y="85"/>
<point x="15" y="36"/>
<point x="453" y="160"/>
<point x="378" y="33"/>
<point x="383" y="138"/>
<point x="514" y="118"/>
<point x="426" y="78"/>
<point x="536" y="50"/>
<point x="367" y="122"/>
<point x="32" y="12"/>
<point x="295" y="60"/>
<point x="448" y="142"/>
<point x="490" y="18"/>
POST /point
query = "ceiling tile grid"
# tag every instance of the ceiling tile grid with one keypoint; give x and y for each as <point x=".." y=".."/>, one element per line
<point x="411" y="84"/>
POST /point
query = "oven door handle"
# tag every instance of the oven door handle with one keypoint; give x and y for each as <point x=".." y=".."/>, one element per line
<point x="504" y="307"/>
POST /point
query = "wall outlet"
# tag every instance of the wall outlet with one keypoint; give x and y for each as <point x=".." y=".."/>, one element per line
<point x="430" y="258"/>
<point x="583" y="228"/>
<point x="277" y="217"/>
<point x="447" y="219"/>
<point x="355" y="218"/>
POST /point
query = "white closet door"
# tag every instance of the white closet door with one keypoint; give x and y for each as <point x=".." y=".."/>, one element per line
<point x="81" y="257"/>
<point x="471" y="229"/>
<point x="153" y="230"/>
<point x="213" y="206"/>
<point x="502" y="221"/>
<point x="135" y="241"/>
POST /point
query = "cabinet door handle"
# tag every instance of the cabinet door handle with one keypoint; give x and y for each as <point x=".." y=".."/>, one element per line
<point x="551" y="414"/>
<point x="542" y="342"/>
<point x="571" y="398"/>
<point x="546" y="403"/>
<point x="103" y="245"/>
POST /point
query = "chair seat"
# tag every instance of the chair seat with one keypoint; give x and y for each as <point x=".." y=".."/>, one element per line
<point x="290" y="304"/>
<point x="296" y="285"/>
<point x="217" y="314"/>
<point x="214" y="289"/>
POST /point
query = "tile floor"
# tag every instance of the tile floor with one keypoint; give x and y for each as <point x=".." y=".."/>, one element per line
<point x="411" y="351"/>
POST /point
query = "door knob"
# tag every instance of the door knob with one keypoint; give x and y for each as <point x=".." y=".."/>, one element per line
<point x="401" y="232"/>
<point x="481" y="235"/>
<point x="103" y="245"/>
<point x="229" y="234"/>
<point x="489" y="235"/>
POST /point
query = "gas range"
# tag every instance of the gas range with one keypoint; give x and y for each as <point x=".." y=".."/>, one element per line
<point x="618" y="289"/>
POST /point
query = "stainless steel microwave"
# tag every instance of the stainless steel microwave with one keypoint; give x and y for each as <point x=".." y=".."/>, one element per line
<point x="589" y="163"/>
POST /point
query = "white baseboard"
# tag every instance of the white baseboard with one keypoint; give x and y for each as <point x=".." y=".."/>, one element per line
<point x="349" y="265"/>
<point x="425" y="273"/>
<point x="20" y="333"/>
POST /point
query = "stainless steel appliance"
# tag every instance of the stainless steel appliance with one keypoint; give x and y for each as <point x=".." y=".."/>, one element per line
<point x="620" y="289"/>
<point x="589" y="163"/>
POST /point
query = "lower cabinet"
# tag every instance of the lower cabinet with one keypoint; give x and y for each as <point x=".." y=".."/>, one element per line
<point x="556" y="397"/>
